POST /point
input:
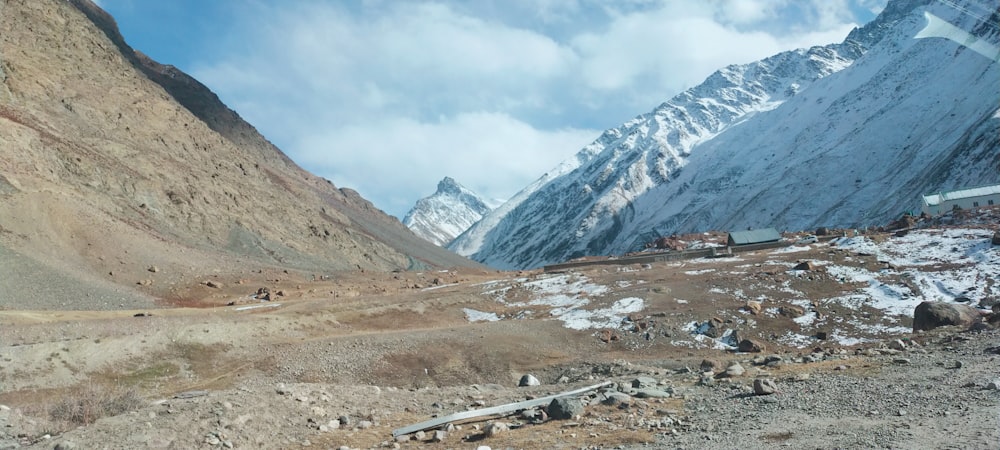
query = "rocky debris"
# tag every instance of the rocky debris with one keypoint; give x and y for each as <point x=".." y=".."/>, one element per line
<point x="564" y="408"/>
<point x="996" y="238"/>
<point x="764" y="386"/>
<point x="751" y="346"/>
<point x="263" y="294"/>
<point x="213" y="284"/>
<point x="931" y="315"/>
<point x="153" y="269"/>
<point x="439" y="436"/>
<point x="753" y="307"/>
<point x="528" y="380"/>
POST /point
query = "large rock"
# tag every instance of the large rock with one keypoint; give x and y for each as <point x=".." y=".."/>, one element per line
<point x="528" y="380"/>
<point x="930" y="315"/>
<point x="763" y="386"/>
<point x="565" y="408"/>
<point x="751" y="346"/>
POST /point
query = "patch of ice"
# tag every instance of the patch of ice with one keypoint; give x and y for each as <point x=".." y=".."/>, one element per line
<point x="681" y="301"/>
<point x="478" y="316"/>
<point x="438" y="287"/>
<point x="792" y="249"/>
<point x="698" y="272"/>
<point x="580" y="319"/>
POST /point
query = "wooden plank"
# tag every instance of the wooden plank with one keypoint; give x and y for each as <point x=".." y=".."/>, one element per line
<point x="492" y="411"/>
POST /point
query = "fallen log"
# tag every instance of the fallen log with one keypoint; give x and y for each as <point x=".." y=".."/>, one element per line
<point x="491" y="411"/>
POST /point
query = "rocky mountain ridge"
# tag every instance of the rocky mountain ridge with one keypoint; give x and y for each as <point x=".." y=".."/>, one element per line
<point x="847" y="134"/>
<point x="111" y="162"/>
<point x="447" y="213"/>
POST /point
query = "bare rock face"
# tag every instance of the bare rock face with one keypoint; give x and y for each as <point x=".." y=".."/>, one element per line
<point x="930" y="315"/>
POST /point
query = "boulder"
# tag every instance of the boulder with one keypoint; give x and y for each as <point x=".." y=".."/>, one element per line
<point x="644" y="382"/>
<point x="528" y="380"/>
<point x="751" y="346"/>
<point x="709" y="365"/>
<point x="564" y="408"/>
<point x="496" y="428"/>
<point x="651" y="393"/>
<point x="734" y="370"/>
<point x="792" y="311"/>
<point x="805" y="265"/>
<point x="764" y="386"/>
<point x="930" y="315"/>
<point x="753" y="307"/>
<point x="616" y="399"/>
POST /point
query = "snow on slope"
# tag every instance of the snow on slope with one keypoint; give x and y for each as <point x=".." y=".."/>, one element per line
<point x="848" y="134"/>
<point x="447" y="213"/>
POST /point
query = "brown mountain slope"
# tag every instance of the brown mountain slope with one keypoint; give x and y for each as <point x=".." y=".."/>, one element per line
<point x="111" y="163"/>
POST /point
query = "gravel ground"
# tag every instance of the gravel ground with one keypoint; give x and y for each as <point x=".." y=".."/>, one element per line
<point x="932" y="394"/>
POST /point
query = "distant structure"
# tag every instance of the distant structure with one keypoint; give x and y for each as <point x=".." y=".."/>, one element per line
<point x="761" y="236"/>
<point x="942" y="202"/>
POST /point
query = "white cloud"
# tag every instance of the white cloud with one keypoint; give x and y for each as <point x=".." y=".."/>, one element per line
<point x="388" y="97"/>
<point x="493" y="154"/>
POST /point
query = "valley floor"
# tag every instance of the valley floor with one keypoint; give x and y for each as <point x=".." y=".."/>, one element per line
<point x="346" y="359"/>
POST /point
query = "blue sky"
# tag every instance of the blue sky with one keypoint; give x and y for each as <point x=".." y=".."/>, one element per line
<point x="388" y="97"/>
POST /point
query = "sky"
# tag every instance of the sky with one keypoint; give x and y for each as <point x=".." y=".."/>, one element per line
<point x="388" y="97"/>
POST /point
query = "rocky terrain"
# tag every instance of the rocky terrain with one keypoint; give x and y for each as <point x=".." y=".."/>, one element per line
<point x="803" y="346"/>
<point x="171" y="280"/>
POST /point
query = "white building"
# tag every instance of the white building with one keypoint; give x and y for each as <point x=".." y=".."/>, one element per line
<point x="942" y="202"/>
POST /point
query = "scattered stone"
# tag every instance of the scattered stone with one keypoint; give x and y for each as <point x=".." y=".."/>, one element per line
<point x="65" y="445"/>
<point x="930" y="315"/>
<point x="651" y="393"/>
<point x="365" y="424"/>
<point x="420" y="435"/>
<point x="344" y="420"/>
<point x="791" y="311"/>
<point x="709" y="365"/>
<point x="751" y="346"/>
<point x="764" y="386"/>
<point x="153" y="269"/>
<point x="644" y="382"/>
<point x="213" y="284"/>
<point x="822" y="335"/>
<point x="495" y="428"/>
<point x="565" y="408"/>
<point x="901" y="360"/>
<point x="528" y="380"/>
<point x="616" y="399"/>
<point x="439" y="436"/>
<point x="805" y="265"/>
<point x="753" y="307"/>
<point x="734" y="370"/>
<point x="897" y="344"/>
<point x="993" y="385"/>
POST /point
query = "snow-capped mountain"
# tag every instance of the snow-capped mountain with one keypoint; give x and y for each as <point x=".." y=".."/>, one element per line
<point x="445" y="214"/>
<point x="848" y="134"/>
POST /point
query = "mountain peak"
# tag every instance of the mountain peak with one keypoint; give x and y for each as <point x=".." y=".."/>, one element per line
<point x="447" y="213"/>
